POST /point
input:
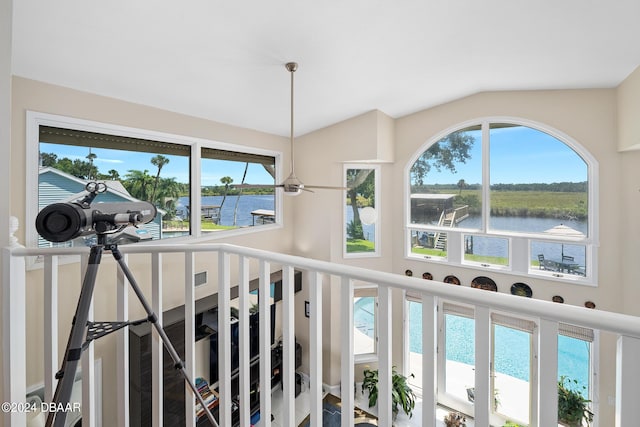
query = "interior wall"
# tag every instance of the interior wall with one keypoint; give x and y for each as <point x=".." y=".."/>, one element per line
<point x="628" y="112"/>
<point x="587" y="116"/>
<point x="37" y="96"/>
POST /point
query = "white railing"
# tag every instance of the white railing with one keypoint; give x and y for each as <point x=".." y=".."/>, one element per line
<point x="548" y="317"/>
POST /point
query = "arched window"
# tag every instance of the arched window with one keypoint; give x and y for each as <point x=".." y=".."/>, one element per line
<point x="504" y="194"/>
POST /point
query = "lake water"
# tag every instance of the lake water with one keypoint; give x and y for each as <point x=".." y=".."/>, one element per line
<point x="246" y="204"/>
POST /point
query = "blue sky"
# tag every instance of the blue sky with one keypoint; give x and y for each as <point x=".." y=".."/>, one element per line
<point x="518" y="155"/>
<point x="178" y="166"/>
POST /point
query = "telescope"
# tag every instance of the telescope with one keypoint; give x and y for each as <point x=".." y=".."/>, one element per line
<point x="60" y="222"/>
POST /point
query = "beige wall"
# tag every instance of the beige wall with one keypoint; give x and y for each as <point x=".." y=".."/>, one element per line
<point x="628" y="94"/>
<point x="36" y="96"/>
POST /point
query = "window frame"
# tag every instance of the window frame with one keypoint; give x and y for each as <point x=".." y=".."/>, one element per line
<point x="519" y="243"/>
<point x="36" y="119"/>
<point x="377" y="180"/>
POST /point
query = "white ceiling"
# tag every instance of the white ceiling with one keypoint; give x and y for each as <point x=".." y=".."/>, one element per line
<point x="224" y="60"/>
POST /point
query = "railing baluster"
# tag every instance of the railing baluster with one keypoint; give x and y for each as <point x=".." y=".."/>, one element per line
<point x="547" y="390"/>
<point x="14" y="335"/>
<point x="88" y="366"/>
<point x="346" y="347"/>
<point x="288" y="347"/>
<point x="627" y="381"/>
<point x="157" y="389"/>
<point x="429" y="346"/>
<point x="50" y="326"/>
<point x="482" y="400"/>
<point x="245" y="353"/>
<point x="385" y="343"/>
<point x="189" y="337"/>
<point x="315" y="348"/>
<point x="224" y="338"/>
<point x="264" y="301"/>
<point x="122" y="345"/>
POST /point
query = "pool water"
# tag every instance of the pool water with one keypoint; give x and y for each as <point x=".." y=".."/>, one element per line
<point x="512" y="347"/>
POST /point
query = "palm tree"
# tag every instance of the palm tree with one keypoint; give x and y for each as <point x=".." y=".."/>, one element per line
<point x="226" y="180"/>
<point x="113" y="174"/>
<point x="137" y="184"/>
<point x="92" y="172"/>
<point x="235" y="210"/>
<point x="158" y="161"/>
<point x="461" y="185"/>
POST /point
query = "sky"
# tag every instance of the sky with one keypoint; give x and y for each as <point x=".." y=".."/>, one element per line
<point x="518" y="155"/>
<point x="178" y="166"/>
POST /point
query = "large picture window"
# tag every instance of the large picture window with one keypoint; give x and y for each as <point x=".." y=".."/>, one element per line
<point x="506" y="195"/>
<point x="157" y="168"/>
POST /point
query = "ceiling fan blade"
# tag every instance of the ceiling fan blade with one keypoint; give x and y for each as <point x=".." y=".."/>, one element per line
<point x="326" y="187"/>
<point x="257" y="185"/>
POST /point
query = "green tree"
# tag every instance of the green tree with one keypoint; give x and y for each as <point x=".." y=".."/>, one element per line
<point x="444" y="154"/>
<point x="359" y="181"/>
<point x="159" y="161"/>
<point x="113" y="175"/>
<point x="461" y="185"/>
<point x="48" y="159"/>
<point x="226" y="180"/>
<point x="137" y="184"/>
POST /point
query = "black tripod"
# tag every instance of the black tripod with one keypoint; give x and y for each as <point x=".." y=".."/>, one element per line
<point x="95" y="330"/>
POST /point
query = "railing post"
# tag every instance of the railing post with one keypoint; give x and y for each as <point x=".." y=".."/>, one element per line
<point x="429" y="346"/>
<point x="315" y="348"/>
<point x="88" y="363"/>
<point x="346" y="346"/>
<point x="264" y="290"/>
<point x="482" y="402"/>
<point x="385" y="343"/>
<point x="224" y="338"/>
<point x="122" y="357"/>
<point x="245" y="353"/>
<point x="627" y="381"/>
<point x="157" y="346"/>
<point x="14" y="345"/>
<point x="546" y="412"/>
<point x="288" y="347"/>
<point x="50" y="326"/>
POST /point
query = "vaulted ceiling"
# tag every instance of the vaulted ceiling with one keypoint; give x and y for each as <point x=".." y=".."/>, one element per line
<point x="224" y="60"/>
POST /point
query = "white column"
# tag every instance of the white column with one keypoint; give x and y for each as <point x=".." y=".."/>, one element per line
<point x="429" y="362"/>
<point x="14" y="345"/>
<point x="346" y="349"/>
<point x="482" y="401"/>
<point x="245" y="353"/>
<point x="288" y="347"/>
<point x="224" y="338"/>
<point x="157" y="389"/>
<point x="88" y="364"/>
<point x="385" y="342"/>
<point x="315" y="348"/>
<point x="122" y="345"/>
<point x="51" y="362"/>
<point x="627" y="381"/>
<point x="264" y="301"/>
<point x="547" y="393"/>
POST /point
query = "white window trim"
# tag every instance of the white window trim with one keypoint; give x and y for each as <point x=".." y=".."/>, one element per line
<point x="517" y="240"/>
<point x="367" y="290"/>
<point x="377" y="182"/>
<point x="36" y="119"/>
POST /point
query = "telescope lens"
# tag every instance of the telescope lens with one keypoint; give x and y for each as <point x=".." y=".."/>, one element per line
<point x="61" y="222"/>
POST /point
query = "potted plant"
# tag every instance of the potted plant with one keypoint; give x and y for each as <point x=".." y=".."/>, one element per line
<point x="573" y="408"/>
<point x="402" y="395"/>
<point x="455" y="419"/>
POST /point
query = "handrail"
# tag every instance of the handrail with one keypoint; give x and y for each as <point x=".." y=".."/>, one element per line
<point x="597" y="319"/>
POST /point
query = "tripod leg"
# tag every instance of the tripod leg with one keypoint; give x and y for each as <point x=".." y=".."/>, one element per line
<point x="179" y="365"/>
<point x="67" y="373"/>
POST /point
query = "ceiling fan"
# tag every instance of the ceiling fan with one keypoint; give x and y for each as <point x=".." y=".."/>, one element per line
<point x="292" y="186"/>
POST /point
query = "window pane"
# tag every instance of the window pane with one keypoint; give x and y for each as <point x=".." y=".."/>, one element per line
<point x="364" y="323"/>
<point x="360" y="205"/>
<point x="141" y="173"/>
<point x="446" y="180"/>
<point x="537" y="181"/>
<point x="429" y="243"/>
<point x="486" y="250"/>
<point x="573" y="363"/>
<point x="559" y="257"/>
<point x="460" y="356"/>
<point x="512" y="365"/>
<point x="415" y="343"/>
<point x="225" y="206"/>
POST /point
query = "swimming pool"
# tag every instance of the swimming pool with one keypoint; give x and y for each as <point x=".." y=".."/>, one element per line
<point x="512" y="356"/>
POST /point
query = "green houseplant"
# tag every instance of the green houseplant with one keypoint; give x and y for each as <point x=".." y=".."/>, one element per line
<point x="402" y="395"/>
<point x="573" y="408"/>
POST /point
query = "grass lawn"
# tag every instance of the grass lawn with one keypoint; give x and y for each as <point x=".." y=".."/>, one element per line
<point x="357" y="245"/>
